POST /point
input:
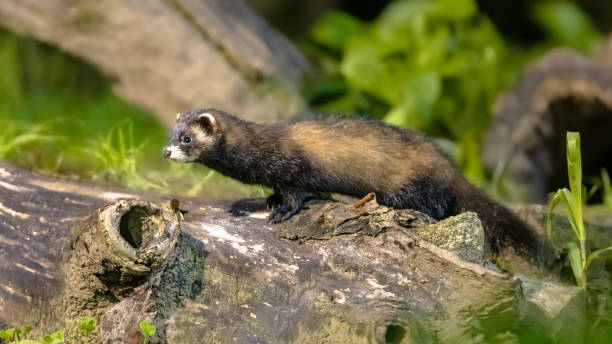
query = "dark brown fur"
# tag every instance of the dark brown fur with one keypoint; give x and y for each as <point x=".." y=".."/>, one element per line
<point x="352" y="156"/>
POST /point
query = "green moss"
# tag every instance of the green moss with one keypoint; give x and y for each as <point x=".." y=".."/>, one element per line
<point x="334" y="331"/>
<point x="137" y="221"/>
<point x="218" y="285"/>
<point x="220" y="291"/>
<point x="88" y="16"/>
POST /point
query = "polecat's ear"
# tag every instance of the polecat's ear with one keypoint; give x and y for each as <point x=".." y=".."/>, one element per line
<point x="207" y="122"/>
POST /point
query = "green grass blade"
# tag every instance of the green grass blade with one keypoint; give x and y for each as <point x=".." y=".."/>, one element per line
<point x="574" y="164"/>
<point x="33" y="137"/>
<point x="574" y="169"/>
<point x="576" y="263"/>
<point x="197" y="187"/>
<point x="596" y="254"/>
<point x="596" y="186"/>
<point x="570" y="204"/>
<point x="130" y="134"/>
<point x="606" y="188"/>
<point x="549" y="224"/>
<point x="121" y="139"/>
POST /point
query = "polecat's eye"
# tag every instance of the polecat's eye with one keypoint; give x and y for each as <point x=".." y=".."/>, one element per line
<point x="186" y="139"/>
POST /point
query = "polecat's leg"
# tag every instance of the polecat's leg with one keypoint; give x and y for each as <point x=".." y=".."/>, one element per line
<point x="292" y="202"/>
<point x="274" y="200"/>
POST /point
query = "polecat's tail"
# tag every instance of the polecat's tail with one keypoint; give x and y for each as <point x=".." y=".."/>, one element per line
<point x="504" y="231"/>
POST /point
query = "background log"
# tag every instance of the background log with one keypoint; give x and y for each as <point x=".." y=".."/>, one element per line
<point x="251" y="285"/>
<point x="169" y="55"/>
<point x="562" y="91"/>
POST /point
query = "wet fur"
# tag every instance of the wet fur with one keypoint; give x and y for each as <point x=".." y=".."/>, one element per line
<point x="352" y="156"/>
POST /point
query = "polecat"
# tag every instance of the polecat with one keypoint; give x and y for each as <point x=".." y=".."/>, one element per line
<point x="352" y="156"/>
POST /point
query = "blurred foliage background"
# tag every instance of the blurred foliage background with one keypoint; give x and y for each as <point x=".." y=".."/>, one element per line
<point x="59" y="115"/>
<point x="432" y="65"/>
<point x="435" y="66"/>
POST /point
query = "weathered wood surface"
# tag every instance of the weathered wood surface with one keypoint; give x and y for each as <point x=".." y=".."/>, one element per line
<point x="255" y="287"/>
<point x="560" y="91"/>
<point x="169" y="55"/>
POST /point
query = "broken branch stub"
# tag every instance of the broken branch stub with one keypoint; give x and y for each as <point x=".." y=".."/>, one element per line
<point x="122" y="245"/>
<point x="141" y="236"/>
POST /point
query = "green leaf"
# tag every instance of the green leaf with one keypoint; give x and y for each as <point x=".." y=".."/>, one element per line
<point x="17" y="334"/>
<point x="362" y="69"/>
<point x="576" y="263"/>
<point x="404" y="19"/>
<point x="56" y="337"/>
<point x="416" y="108"/>
<point x="10" y="333"/>
<point x="147" y="328"/>
<point x="86" y="325"/>
<point x="455" y="9"/>
<point x="46" y="339"/>
<point x="567" y="23"/>
<point x="427" y="64"/>
<point x="27" y="329"/>
<point x="470" y="162"/>
<point x="335" y="28"/>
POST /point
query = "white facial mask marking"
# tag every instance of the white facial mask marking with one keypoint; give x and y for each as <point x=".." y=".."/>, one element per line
<point x="177" y="154"/>
<point x="203" y="138"/>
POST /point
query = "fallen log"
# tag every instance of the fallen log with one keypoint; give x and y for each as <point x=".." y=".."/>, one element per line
<point x="170" y="55"/>
<point x="561" y="91"/>
<point x="71" y="249"/>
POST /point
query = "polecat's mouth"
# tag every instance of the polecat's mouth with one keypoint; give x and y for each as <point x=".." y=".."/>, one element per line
<point x="175" y="153"/>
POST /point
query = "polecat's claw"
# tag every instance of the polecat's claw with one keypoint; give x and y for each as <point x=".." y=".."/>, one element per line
<point x="279" y="214"/>
<point x="282" y="213"/>
<point x="274" y="201"/>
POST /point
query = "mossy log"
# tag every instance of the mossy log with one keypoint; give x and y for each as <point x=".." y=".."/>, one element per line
<point x="169" y="55"/>
<point x="207" y="272"/>
<point x="561" y="91"/>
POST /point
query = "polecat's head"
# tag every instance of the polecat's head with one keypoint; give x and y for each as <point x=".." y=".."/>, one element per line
<point x="194" y="133"/>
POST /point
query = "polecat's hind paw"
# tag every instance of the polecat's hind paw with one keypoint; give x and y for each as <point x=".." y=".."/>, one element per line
<point x="282" y="213"/>
<point x="274" y="201"/>
<point x="291" y="204"/>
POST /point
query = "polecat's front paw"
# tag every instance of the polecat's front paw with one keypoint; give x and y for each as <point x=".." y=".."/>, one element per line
<point x="274" y="201"/>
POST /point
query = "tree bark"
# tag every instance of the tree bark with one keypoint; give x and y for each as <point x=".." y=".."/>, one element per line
<point x="227" y="277"/>
<point x="170" y="55"/>
<point x="562" y="91"/>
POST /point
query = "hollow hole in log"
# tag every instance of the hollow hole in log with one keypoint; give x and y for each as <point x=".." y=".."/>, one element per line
<point x="593" y="119"/>
<point x="395" y="334"/>
<point x="133" y="223"/>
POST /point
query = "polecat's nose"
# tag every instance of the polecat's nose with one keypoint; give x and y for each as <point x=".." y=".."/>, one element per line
<point x="166" y="152"/>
